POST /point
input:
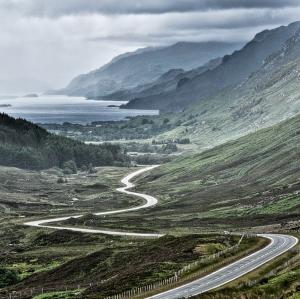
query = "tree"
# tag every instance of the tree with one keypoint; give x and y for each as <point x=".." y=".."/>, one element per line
<point x="7" y="277"/>
<point x="69" y="167"/>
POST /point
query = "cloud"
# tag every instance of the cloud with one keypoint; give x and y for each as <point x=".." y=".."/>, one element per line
<point x="57" y="39"/>
<point x="57" y="8"/>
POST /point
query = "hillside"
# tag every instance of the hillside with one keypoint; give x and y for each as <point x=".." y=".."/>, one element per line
<point x="166" y="82"/>
<point x="26" y="145"/>
<point x="267" y="97"/>
<point x="144" y="66"/>
<point x="234" y="69"/>
<point x="248" y="182"/>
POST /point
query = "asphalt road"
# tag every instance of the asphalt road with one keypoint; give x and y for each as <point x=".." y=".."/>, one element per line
<point x="149" y="202"/>
<point x="278" y="245"/>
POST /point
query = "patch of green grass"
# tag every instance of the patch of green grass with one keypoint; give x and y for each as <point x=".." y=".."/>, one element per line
<point x="57" y="295"/>
<point x="283" y="205"/>
<point x="295" y="296"/>
<point x="25" y="269"/>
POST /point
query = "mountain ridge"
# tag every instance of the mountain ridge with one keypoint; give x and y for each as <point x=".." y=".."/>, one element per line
<point x="234" y="69"/>
<point x="268" y="96"/>
<point x="166" y="82"/>
<point x="143" y="66"/>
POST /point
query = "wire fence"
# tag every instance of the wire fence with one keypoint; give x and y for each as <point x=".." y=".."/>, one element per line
<point x="168" y="282"/>
<point x="28" y="293"/>
<point x="289" y="262"/>
<point x="186" y="271"/>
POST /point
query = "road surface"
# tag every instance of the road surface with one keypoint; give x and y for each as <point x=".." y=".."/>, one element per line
<point x="149" y="202"/>
<point x="278" y="245"/>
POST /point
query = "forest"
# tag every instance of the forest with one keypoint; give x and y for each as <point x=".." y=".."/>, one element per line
<point x="28" y="146"/>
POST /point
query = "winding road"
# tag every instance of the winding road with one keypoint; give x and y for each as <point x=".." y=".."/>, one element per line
<point x="279" y="244"/>
<point x="149" y="202"/>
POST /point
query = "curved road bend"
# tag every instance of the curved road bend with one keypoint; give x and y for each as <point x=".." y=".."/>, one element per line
<point x="149" y="202"/>
<point x="279" y="244"/>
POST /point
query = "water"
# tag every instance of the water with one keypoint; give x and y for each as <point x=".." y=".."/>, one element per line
<point x="60" y="109"/>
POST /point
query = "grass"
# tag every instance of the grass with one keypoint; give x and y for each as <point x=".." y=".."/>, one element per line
<point x="57" y="295"/>
<point x="249" y="182"/>
<point x="283" y="282"/>
<point x="25" y="269"/>
<point x="254" y="175"/>
<point x="247" y="247"/>
<point x="25" y="195"/>
<point x="126" y="263"/>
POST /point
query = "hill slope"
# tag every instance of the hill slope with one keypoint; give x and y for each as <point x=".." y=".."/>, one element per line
<point x="26" y="145"/>
<point x="143" y="66"/>
<point x="165" y="83"/>
<point x="268" y="96"/>
<point x="234" y="69"/>
<point x="251" y="179"/>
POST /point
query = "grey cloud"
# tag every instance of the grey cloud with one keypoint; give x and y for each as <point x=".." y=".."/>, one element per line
<point x="57" y="8"/>
<point x="58" y="39"/>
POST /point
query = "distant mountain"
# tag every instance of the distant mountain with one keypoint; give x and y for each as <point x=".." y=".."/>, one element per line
<point x="234" y="69"/>
<point x="268" y="96"/>
<point x="166" y="82"/>
<point x="146" y="65"/>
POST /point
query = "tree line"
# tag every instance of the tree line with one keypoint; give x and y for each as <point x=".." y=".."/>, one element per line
<point x="26" y="145"/>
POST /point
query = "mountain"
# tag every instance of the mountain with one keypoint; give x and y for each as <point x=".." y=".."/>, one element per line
<point x="251" y="181"/>
<point x="233" y="70"/>
<point x="268" y="96"/>
<point x="26" y="145"/>
<point x="166" y="82"/>
<point x="146" y="65"/>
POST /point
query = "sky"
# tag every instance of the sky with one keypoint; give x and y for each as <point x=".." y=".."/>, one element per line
<point x="45" y="43"/>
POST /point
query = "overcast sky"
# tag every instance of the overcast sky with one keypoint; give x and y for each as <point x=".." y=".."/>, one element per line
<point x="53" y="40"/>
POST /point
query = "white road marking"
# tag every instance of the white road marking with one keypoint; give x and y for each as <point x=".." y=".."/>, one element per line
<point x="279" y="245"/>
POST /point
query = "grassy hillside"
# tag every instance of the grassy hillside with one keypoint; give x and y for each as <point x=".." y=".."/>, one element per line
<point x="121" y="263"/>
<point x="26" y="145"/>
<point x="268" y="96"/>
<point x="250" y="180"/>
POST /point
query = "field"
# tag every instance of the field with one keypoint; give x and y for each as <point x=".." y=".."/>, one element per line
<point x="35" y="257"/>
<point x="250" y="184"/>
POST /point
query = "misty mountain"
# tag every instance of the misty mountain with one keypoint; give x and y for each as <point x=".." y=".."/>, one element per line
<point x="166" y="82"/>
<point x="268" y="96"/>
<point x="146" y="65"/>
<point x="234" y="69"/>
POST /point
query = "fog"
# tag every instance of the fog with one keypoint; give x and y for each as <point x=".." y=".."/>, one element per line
<point x="44" y="44"/>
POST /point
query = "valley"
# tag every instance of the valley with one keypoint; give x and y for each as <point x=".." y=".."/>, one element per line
<point x="171" y="171"/>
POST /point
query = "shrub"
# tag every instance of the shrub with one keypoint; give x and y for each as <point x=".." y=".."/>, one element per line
<point x="7" y="277"/>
